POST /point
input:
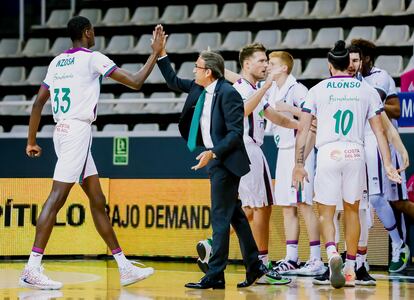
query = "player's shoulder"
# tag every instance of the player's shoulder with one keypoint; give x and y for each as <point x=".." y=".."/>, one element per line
<point x="378" y="73"/>
<point x="241" y="83"/>
<point x="55" y="60"/>
<point x="299" y="87"/>
<point x="242" y="86"/>
<point x="97" y="54"/>
<point x="368" y="89"/>
<point x="323" y="84"/>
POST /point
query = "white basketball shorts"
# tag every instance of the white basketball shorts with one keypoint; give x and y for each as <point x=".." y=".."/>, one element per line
<point x="340" y="173"/>
<point x="377" y="180"/>
<point x="255" y="189"/>
<point x="285" y="194"/>
<point x="72" y="140"/>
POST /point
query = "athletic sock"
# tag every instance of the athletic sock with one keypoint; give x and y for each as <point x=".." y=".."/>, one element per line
<point x="264" y="257"/>
<point x="315" y="249"/>
<point x="292" y="250"/>
<point x="35" y="258"/>
<point x="361" y="258"/>
<point x="120" y="258"/>
<point x="350" y="262"/>
<point x="330" y="249"/>
<point x="394" y="234"/>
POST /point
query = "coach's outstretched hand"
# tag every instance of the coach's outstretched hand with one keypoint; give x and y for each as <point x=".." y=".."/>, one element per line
<point x="33" y="150"/>
<point x="158" y="39"/>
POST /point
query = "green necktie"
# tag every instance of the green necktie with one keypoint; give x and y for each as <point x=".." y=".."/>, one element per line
<point x="195" y="122"/>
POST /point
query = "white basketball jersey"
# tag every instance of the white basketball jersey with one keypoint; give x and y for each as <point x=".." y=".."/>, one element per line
<point x="294" y="94"/>
<point x="342" y="105"/>
<point x="381" y="80"/>
<point x="74" y="81"/>
<point x="254" y="124"/>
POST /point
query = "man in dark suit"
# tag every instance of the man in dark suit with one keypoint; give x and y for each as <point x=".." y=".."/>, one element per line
<point x="212" y="118"/>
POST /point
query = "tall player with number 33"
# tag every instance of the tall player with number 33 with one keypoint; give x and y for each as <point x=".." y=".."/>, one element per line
<point x="73" y="83"/>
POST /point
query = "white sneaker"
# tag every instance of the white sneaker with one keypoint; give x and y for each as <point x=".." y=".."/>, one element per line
<point x="132" y="274"/>
<point x="349" y="274"/>
<point x="33" y="277"/>
<point x="313" y="267"/>
<point x="286" y="267"/>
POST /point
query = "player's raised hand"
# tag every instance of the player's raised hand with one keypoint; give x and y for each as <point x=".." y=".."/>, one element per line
<point x="33" y="150"/>
<point x="298" y="174"/>
<point x="158" y="39"/>
<point x="270" y="78"/>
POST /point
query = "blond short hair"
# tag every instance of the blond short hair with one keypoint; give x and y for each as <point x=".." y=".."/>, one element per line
<point x="285" y="57"/>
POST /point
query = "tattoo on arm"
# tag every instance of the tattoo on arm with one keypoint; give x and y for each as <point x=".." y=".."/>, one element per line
<point x="300" y="159"/>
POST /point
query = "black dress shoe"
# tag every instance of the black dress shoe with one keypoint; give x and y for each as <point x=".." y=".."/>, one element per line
<point x="252" y="276"/>
<point x="207" y="283"/>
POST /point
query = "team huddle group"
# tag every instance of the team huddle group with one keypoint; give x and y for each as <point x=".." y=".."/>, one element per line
<point x="370" y="185"/>
<point x="336" y="146"/>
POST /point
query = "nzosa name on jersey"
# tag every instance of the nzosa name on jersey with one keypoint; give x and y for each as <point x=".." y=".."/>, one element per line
<point x="65" y="62"/>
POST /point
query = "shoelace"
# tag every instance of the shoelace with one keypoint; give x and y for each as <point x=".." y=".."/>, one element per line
<point x="135" y="262"/>
<point x="310" y="263"/>
<point x="38" y="275"/>
<point x="284" y="266"/>
<point x="273" y="273"/>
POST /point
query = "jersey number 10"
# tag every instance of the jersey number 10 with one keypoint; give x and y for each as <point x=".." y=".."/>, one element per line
<point x="65" y="98"/>
<point x="344" y="121"/>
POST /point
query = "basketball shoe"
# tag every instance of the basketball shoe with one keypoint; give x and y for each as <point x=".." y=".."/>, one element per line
<point x="131" y="274"/>
<point x="33" y="277"/>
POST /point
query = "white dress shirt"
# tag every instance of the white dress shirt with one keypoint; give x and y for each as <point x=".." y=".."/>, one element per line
<point x="205" y="120"/>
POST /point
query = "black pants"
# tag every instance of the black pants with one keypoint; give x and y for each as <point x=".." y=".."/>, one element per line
<point x="225" y="210"/>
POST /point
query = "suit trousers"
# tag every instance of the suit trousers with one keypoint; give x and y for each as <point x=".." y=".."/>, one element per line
<point x="226" y="209"/>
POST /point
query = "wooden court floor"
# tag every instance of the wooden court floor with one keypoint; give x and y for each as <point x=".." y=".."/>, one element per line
<point x="99" y="279"/>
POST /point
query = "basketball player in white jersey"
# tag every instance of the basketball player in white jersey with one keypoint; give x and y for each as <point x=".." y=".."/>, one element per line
<point x="365" y="217"/>
<point x="379" y="187"/>
<point x="255" y="189"/>
<point x="342" y="106"/>
<point x="288" y="96"/>
<point x="73" y="84"/>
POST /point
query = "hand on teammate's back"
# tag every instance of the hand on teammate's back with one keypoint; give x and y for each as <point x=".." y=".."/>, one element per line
<point x="158" y="39"/>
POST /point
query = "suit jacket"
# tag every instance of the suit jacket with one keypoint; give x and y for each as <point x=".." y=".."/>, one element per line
<point x="227" y="113"/>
